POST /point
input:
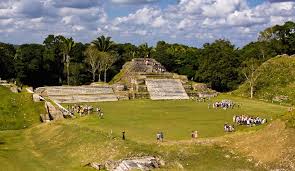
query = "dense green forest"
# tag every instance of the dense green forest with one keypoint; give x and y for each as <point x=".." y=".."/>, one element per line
<point x="61" y="60"/>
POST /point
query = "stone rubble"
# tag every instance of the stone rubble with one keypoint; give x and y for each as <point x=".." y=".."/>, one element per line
<point x="53" y="113"/>
<point x="139" y="163"/>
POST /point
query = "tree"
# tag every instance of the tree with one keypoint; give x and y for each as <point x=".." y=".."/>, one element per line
<point x="261" y="51"/>
<point x="281" y="36"/>
<point x="29" y="65"/>
<point x="218" y="66"/>
<point x="7" y="68"/>
<point x="108" y="60"/>
<point x="161" y="54"/>
<point x="145" y="50"/>
<point x="94" y="59"/>
<point x="53" y="59"/>
<point x="249" y="70"/>
<point x="80" y="73"/>
<point x="66" y="48"/>
<point x="103" y="44"/>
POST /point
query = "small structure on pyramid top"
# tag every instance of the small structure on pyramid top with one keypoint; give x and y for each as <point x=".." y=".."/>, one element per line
<point x="142" y="68"/>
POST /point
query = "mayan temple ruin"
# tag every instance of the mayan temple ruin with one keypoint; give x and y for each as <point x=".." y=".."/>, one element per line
<point x="141" y="78"/>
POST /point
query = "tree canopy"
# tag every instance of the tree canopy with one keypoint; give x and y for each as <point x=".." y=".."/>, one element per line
<point x="61" y="60"/>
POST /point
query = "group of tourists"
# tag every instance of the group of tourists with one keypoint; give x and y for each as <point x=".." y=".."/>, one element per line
<point x="229" y="128"/>
<point x="83" y="110"/>
<point x="200" y="99"/>
<point x="80" y="109"/>
<point x="156" y="67"/>
<point x="224" y="104"/>
<point x="244" y="120"/>
<point x="248" y="120"/>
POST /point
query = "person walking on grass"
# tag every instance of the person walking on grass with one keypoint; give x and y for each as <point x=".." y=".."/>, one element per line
<point x="193" y="135"/>
<point x="158" y="135"/>
<point x="161" y="136"/>
<point x="123" y="135"/>
<point x="101" y="115"/>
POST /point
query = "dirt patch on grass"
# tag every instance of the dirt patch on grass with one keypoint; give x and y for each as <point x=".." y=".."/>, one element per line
<point x="273" y="146"/>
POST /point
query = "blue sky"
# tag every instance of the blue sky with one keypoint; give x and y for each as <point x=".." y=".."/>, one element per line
<point x="191" y="22"/>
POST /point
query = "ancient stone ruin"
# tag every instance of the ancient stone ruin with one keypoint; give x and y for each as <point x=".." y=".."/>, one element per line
<point x="139" y="163"/>
<point x="141" y="78"/>
<point x="78" y="94"/>
<point x="52" y="112"/>
<point x="3" y="82"/>
<point x="145" y="78"/>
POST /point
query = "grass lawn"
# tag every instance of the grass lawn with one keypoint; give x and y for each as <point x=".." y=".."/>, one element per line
<point x="142" y="119"/>
<point x="72" y="143"/>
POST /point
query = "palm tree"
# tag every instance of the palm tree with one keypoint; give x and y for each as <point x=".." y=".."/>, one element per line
<point x="103" y="44"/>
<point x="145" y="50"/>
<point x="66" y="47"/>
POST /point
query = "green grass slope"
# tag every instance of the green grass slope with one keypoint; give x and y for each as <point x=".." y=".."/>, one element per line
<point x="70" y="144"/>
<point x="67" y="146"/>
<point x="277" y="78"/>
<point x="18" y="111"/>
<point x="122" y="76"/>
<point x="142" y="119"/>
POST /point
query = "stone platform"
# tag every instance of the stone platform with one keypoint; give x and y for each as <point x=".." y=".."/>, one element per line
<point x="78" y="94"/>
<point x="166" y="89"/>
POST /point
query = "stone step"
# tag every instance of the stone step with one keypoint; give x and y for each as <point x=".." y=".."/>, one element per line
<point x="78" y="90"/>
<point x="122" y="95"/>
<point x="165" y="89"/>
<point x="83" y="98"/>
<point x="142" y="95"/>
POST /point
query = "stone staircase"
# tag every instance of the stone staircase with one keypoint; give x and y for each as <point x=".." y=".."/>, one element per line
<point x="189" y="90"/>
<point x="166" y="89"/>
<point x="78" y="94"/>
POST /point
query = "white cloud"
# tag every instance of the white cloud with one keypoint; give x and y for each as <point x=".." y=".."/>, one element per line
<point x="191" y="6"/>
<point x="142" y="16"/>
<point x="184" y="24"/>
<point x="159" y="22"/>
<point x="244" y="18"/>
<point x="221" y="8"/>
<point x="133" y="1"/>
<point x="189" y="21"/>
